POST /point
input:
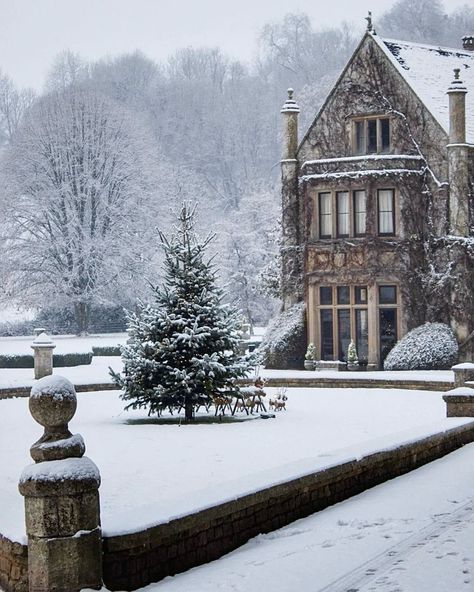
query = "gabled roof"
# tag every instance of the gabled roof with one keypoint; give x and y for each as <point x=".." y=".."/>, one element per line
<point x="428" y="69"/>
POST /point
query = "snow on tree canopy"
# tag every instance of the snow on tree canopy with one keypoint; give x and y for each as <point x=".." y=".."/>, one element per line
<point x="184" y="349"/>
<point x="431" y="346"/>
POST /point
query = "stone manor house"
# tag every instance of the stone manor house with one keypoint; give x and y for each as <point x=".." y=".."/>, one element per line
<point x="377" y="200"/>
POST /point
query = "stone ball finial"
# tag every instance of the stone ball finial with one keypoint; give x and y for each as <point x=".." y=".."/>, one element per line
<point x="53" y="403"/>
<point x="290" y="92"/>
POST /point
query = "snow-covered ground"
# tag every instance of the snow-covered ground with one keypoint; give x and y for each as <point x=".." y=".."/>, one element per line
<point x="412" y="534"/>
<point x="153" y="472"/>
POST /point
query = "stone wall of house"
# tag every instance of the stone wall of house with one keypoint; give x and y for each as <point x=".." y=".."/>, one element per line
<point x="370" y="85"/>
<point x="418" y="259"/>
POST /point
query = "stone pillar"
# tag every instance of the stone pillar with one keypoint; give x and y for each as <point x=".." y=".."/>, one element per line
<point x="292" y="267"/>
<point x="458" y="162"/>
<point x="458" y="176"/>
<point x="463" y="373"/>
<point x="43" y="355"/>
<point x="61" y="498"/>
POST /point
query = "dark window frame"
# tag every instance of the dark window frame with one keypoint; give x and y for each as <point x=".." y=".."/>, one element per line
<point x="355" y="212"/>
<point x="320" y="214"/>
<point x="393" y="231"/>
<point x="348" y="214"/>
<point x="361" y="135"/>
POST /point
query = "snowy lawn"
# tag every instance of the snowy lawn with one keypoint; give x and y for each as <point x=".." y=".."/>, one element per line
<point x="411" y="534"/>
<point x="152" y="472"/>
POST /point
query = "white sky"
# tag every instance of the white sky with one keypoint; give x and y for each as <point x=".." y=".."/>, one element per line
<point x="33" y="32"/>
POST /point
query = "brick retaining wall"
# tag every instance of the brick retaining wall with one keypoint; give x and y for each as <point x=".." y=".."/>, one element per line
<point x="322" y="382"/>
<point x="135" y="560"/>
<point x="317" y="382"/>
<point x="13" y="566"/>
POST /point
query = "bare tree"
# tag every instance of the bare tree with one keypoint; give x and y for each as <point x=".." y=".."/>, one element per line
<point x="76" y="177"/>
<point x="13" y="105"/>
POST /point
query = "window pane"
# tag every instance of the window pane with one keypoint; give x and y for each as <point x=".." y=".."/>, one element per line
<point x="360" y="294"/>
<point x="371" y="136"/>
<point x="387" y="294"/>
<point x="359" y="137"/>
<point x="327" y="345"/>
<point x="385" y="213"/>
<point x="343" y="332"/>
<point x="342" y="199"/>
<point x="325" y="215"/>
<point x="388" y="331"/>
<point x="325" y="295"/>
<point x="359" y="212"/>
<point x="362" y="333"/>
<point x="343" y="295"/>
<point x="385" y="134"/>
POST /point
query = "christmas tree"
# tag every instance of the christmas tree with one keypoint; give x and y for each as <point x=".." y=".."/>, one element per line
<point x="183" y="349"/>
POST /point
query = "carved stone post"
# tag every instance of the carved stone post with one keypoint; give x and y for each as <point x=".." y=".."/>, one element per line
<point x="458" y="163"/>
<point x="61" y="497"/>
<point x="43" y="355"/>
<point x="292" y="268"/>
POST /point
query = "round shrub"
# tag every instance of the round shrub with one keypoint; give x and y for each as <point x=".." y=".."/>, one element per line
<point x="431" y="346"/>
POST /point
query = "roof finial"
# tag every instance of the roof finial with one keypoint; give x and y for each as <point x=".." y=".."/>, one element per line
<point x="457" y="85"/>
<point x="290" y="103"/>
<point x="368" y="18"/>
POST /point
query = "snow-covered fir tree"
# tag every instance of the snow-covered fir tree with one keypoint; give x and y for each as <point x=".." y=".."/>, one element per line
<point x="184" y="349"/>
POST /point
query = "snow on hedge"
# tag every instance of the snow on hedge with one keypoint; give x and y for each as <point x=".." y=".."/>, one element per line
<point x="431" y="346"/>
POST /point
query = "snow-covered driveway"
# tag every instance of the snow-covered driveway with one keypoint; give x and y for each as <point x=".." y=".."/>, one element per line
<point x="412" y="534"/>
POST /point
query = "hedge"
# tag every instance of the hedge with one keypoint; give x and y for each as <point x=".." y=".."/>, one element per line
<point x="106" y="350"/>
<point x="59" y="360"/>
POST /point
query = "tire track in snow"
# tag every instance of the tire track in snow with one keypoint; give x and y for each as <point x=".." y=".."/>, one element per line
<point x="370" y="571"/>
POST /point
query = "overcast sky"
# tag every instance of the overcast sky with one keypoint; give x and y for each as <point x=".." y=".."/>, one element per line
<point x="33" y="32"/>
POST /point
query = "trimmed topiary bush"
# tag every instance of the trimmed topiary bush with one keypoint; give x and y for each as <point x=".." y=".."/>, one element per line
<point x="431" y="346"/>
<point x="284" y="343"/>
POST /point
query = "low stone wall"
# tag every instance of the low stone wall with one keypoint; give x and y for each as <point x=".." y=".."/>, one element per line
<point x="339" y="382"/>
<point x="13" y="566"/>
<point x="24" y="391"/>
<point x="135" y="560"/>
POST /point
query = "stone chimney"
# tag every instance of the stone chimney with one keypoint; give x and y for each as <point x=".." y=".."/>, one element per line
<point x="290" y="112"/>
<point x="291" y="281"/>
<point x="458" y="177"/>
<point x="468" y="42"/>
<point x="458" y="159"/>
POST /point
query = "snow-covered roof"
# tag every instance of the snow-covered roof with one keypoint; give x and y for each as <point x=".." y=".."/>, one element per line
<point x="428" y="69"/>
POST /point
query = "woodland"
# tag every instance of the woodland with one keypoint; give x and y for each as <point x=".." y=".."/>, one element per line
<point x="92" y="167"/>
